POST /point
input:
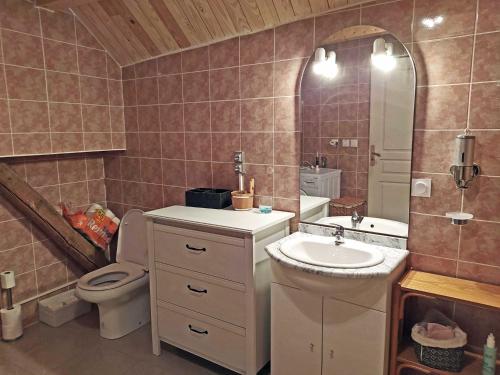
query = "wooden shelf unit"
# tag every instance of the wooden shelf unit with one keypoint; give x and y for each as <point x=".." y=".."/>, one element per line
<point x="416" y="284"/>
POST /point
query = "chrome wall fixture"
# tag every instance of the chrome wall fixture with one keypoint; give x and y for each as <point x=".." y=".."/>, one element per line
<point x="464" y="170"/>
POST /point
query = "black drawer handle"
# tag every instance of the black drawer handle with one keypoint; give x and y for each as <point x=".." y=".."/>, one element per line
<point x="195" y="248"/>
<point x="205" y="332"/>
<point x="196" y="290"/>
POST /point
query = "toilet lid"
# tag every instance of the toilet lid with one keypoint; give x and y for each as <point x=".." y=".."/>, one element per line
<point x="132" y="243"/>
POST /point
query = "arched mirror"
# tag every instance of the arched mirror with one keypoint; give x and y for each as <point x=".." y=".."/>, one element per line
<point x="357" y="109"/>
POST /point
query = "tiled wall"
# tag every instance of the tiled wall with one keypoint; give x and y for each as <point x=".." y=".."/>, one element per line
<point x="340" y="109"/>
<point x="186" y="113"/>
<point x="38" y="263"/>
<point x="59" y="90"/>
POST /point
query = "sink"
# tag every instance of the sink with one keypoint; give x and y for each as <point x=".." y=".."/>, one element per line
<point x="322" y="251"/>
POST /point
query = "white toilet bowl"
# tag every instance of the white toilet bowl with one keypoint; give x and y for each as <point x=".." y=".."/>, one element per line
<point x="121" y="290"/>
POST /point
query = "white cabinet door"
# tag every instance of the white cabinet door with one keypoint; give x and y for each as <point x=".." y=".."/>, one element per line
<point x="295" y="331"/>
<point x="353" y="339"/>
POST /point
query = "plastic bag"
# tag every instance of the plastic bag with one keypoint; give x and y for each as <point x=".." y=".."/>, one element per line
<point x="97" y="225"/>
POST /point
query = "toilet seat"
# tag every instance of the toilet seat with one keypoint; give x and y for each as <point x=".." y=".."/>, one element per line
<point x="111" y="277"/>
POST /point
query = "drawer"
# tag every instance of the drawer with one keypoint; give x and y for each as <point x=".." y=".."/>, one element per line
<point x="200" y="254"/>
<point x="214" y="340"/>
<point x="208" y="295"/>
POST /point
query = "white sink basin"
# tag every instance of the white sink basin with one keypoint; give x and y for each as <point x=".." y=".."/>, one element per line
<point x="322" y="251"/>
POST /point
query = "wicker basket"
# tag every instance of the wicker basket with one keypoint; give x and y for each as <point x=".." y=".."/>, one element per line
<point x="345" y="206"/>
<point x="440" y="353"/>
<point x="441" y="359"/>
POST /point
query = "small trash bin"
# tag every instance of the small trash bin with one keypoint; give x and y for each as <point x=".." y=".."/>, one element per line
<point x="61" y="308"/>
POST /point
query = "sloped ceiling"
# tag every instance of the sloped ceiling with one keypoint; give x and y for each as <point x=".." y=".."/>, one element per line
<point x="135" y="30"/>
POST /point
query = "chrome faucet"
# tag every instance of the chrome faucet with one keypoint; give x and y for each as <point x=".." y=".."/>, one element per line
<point x="339" y="234"/>
<point x="356" y="219"/>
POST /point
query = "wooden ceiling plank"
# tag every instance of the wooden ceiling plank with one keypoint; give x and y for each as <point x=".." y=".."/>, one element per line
<point x="301" y="7"/>
<point x="62" y="4"/>
<point x="145" y="32"/>
<point x="318" y="6"/>
<point x="252" y="14"/>
<point x="170" y="23"/>
<point x="337" y="3"/>
<point x="123" y="25"/>
<point x="89" y="18"/>
<point x="209" y="18"/>
<point x="285" y="10"/>
<point x="220" y="11"/>
<point x="134" y="25"/>
<point x="182" y="21"/>
<point x="237" y="16"/>
<point x="164" y="33"/>
<point x="110" y="13"/>
<point x="268" y="12"/>
<point x="194" y="18"/>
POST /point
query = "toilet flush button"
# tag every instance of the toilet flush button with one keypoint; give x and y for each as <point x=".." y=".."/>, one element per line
<point x="421" y="187"/>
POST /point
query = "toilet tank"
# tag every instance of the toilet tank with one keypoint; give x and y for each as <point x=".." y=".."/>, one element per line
<point x="132" y="242"/>
<point x="324" y="182"/>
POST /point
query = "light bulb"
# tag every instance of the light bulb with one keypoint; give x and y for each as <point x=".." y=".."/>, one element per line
<point x="382" y="57"/>
<point x="330" y="69"/>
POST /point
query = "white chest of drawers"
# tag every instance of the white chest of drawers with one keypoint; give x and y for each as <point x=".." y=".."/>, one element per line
<point x="210" y="282"/>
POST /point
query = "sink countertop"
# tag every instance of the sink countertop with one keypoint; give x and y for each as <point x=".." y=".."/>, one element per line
<point x="393" y="257"/>
<point x="240" y="221"/>
<point x="309" y="202"/>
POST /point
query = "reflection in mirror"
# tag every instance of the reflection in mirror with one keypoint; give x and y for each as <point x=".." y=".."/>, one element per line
<point x="357" y="105"/>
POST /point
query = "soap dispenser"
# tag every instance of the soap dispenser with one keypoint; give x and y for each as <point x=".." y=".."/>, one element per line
<point x="489" y="356"/>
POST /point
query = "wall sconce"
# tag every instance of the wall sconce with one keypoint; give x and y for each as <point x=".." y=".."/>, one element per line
<point x="325" y="65"/>
<point x="382" y="57"/>
<point x="464" y="170"/>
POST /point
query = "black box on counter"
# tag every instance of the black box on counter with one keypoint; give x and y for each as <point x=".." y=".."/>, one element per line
<point x="208" y="198"/>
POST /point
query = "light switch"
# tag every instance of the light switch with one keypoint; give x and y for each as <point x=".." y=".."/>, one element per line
<point x="346" y="143"/>
<point x="354" y="143"/>
<point x="421" y="187"/>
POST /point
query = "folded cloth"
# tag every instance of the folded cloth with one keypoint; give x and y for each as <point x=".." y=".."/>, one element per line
<point x="439" y="331"/>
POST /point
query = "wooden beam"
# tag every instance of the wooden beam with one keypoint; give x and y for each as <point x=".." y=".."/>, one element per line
<point x="62" y="4"/>
<point x="46" y="218"/>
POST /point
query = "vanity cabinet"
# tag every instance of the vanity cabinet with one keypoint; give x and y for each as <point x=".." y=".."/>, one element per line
<point x="296" y="333"/>
<point x="313" y="334"/>
<point x="354" y="339"/>
<point x="210" y="282"/>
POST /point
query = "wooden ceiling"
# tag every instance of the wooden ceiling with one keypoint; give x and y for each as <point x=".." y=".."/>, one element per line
<point x="135" y="30"/>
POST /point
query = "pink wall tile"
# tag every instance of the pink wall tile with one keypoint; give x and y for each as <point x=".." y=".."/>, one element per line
<point x="489" y="16"/>
<point x="395" y="17"/>
<point x="487" y="58"/>
<point x="257" y="81"/>
<point x="224" y="54"/>
<point x="225" y="116"/>
<point x="21" y="16"/>
<point x="22" y="49"/>
<point x="257" y="48"/>
<point x="224" y="84"/>
<point x="458" y="18"/>
<point x="294" y="40"/>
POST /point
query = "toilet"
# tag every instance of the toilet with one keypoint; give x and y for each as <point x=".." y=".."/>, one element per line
<point x="121" y="289"/>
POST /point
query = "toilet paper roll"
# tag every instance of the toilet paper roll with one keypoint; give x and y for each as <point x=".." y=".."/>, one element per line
<point x="7" y="279"/>
<point x="12" y="323"/>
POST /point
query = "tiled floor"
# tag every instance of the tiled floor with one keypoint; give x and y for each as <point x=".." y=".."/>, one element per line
<point x="77" y="349"/>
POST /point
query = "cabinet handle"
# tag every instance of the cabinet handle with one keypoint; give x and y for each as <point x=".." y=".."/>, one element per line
<point x="200" y="332"/>
<point x="331" y="354"/>
<point x="199" y="249"/>
<point x="312" y="347"/>
<point x="196" y="290"/>
<point x="310" y="182"/>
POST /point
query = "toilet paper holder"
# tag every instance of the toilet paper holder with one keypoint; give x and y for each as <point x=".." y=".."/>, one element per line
<point x="8" y="281"/>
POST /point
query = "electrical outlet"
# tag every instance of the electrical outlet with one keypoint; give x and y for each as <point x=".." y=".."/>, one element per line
<point x="354" y="143"/>
<point x="346" y="143"/>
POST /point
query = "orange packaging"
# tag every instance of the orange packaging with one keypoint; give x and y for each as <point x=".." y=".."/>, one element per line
<point x="95" y="225"/>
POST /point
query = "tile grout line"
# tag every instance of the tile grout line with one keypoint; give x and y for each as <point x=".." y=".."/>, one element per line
<point x="7" y="100"/>
<point x="42" y="34"/>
